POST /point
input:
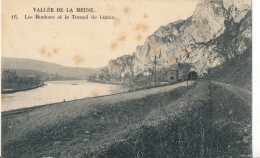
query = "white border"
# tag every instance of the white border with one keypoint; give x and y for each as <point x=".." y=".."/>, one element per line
<point x="256" y="78"/>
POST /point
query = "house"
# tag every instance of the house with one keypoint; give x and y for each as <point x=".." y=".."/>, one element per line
<point x="9" y="76"/>
<point x="172" y="76"/>
<point x="30" y="79"/>
<point x="146" y="72"/>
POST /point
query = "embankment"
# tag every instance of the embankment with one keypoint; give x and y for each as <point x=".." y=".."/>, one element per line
<point x="202" y="120"/>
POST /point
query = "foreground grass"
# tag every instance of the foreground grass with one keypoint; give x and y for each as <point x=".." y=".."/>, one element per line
<point x="203" y="120"/>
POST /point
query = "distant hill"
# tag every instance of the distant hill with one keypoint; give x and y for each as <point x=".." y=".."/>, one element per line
<point x="46" y="67"/>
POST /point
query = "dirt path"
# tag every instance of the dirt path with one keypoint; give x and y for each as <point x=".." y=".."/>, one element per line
<point x="244" y="94"/>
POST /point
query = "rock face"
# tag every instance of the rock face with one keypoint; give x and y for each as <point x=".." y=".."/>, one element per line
<point x="218" y="30"/>
<point x="119" y="68"/>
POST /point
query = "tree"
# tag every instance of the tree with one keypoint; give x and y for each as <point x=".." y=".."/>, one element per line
<point x="101" y="77"/>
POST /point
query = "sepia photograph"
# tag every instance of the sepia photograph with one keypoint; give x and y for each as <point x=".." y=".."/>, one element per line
<point x="126" y="79"/>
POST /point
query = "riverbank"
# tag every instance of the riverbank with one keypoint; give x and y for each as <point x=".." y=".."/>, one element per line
<point x="57" y="91"/>
<point x="201" y="120"/>
<point x="105" y="82"/>
<point x="134" y="86"/>
<point x="27" y="87"/>
<point x="137" y="93"/>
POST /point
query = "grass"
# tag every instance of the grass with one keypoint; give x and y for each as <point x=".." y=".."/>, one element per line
<point x="102" y="121"/>
<point x="206" y="125"/>
<point x="196" y="121"/>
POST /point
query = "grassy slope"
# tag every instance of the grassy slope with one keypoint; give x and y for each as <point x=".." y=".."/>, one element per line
<point x="211" y="123"/>
<point x="100" y="120"/>
<point x="197" y="121"/>
<point x="237" y="71"/>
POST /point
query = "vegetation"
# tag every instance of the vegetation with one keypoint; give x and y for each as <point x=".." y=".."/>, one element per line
<point x="203" y="120"/>
<point x="236" y="71"/>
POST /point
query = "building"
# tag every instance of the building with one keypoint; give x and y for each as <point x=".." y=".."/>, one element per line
<point x="30" y="79"/>
<point x="172" y="76"/>
<point x="9" y="76"/>
<point x="146" y="72"/>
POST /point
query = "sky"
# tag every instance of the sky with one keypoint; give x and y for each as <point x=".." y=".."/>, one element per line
<point x="85" y="42"/>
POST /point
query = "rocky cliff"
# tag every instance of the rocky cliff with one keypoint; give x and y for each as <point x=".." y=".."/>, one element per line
<point x="119" y="68"/>
<point x="217" y="31"/>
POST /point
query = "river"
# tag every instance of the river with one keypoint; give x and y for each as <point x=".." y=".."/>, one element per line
<point x="58" y="91"/>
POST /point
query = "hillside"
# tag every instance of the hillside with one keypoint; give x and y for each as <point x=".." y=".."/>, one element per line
<point x="46" y="67"/>
<point x="201" y="120"/>
<point x="217" y="32"/>
<point x="236" y="71"/>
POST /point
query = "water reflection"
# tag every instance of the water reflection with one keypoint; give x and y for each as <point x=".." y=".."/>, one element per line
<point x="58" y="91"/>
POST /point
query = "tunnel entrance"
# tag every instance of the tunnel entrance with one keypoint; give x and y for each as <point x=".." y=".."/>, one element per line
<point x="192" y="75"/>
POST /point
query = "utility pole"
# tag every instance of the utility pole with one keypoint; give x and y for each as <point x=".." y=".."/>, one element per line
<point x="151" y="75"/>
<point x="129" y="84"/>
<point x="155" y="71"/>
<point x="129" y="80"/>
<point x="191" y="78"/>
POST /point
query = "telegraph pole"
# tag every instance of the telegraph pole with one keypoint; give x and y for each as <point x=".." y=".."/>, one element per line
<point x="129" y="84"/>
<point x="151" y="75"/>
<point x="155" y="71"/>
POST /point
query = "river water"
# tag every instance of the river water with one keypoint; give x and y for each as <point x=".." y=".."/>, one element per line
<point x="58" y="91"/>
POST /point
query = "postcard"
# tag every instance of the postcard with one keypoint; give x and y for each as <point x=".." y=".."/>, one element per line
<point x="126" y="78"/>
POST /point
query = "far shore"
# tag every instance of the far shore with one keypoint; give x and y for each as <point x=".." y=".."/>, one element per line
<point x="4" y="91"/>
